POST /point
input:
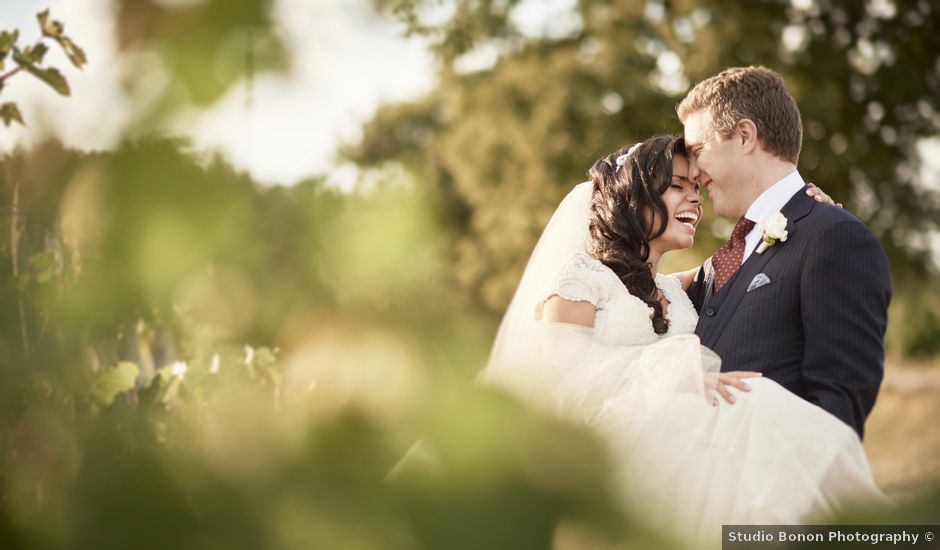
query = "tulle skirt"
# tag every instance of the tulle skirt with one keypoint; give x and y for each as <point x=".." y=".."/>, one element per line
<point x="689" y="466"/>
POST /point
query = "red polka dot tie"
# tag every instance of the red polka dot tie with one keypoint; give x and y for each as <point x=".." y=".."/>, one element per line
<point x="727" y="259"/>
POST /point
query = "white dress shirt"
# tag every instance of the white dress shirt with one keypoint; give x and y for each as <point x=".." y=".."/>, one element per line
<point x="767" y="204"/>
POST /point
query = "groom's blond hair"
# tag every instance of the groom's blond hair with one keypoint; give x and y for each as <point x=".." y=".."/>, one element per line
<point x="756" y="93"/>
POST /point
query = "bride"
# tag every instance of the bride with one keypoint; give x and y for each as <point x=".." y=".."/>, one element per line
<point x="597" y="334"/>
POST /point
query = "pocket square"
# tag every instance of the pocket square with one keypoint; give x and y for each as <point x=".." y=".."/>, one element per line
<point x="758" y="281"/>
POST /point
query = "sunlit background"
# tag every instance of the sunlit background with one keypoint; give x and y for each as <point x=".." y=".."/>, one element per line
<point x="258" y="253"/>
<point x="282" y="128"/>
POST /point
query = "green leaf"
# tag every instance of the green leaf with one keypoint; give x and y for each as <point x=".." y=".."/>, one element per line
<point x="49" y="27"/>
<point x="9" y="112"/>
<point x="38" y="52"/>
<point x="30" y="56"/>
<point x="22" y="58"/>
<point x="56" y="30"/>
<point x="7" y="39"/>
<point x="52" y="77"/>
<point x="113" y="381"/>
<point x="75" y="54"/>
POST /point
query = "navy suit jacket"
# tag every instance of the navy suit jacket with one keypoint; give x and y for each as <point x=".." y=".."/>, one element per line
<point x="818" y="327"/>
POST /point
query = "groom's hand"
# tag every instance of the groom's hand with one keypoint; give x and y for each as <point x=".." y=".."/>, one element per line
<point x="733" y="378"/>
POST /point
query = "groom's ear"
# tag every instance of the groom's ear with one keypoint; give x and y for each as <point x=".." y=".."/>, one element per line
<point x="747" y="133"/>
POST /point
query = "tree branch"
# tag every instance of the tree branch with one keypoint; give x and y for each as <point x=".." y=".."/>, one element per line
<point x="8" y="74"/>
<point x="14" y="70"/>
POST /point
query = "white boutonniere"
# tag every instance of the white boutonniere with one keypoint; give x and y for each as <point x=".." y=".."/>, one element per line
<point x="773" y="230"/>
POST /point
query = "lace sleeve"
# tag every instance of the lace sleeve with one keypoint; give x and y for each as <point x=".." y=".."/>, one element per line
<point x="583" y="279"/>
<point x="682" y="314"/>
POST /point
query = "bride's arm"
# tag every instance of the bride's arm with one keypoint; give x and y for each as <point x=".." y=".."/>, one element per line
<point x="686" y="277"/>
<point x="560" y="310"/>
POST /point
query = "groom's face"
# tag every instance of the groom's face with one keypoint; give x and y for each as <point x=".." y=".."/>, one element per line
<point x="714" y="163"/>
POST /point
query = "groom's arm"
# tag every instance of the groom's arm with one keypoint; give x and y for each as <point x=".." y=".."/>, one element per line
<point x="845" y="291"/>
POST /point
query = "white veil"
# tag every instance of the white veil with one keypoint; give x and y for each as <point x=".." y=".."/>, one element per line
<point x="511" y="360"/>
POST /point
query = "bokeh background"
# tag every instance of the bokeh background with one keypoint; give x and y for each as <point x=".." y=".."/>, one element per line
<point x="256" y="250"/>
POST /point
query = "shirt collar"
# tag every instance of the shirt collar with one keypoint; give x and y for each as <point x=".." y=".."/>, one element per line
<point x="775" y="197"/>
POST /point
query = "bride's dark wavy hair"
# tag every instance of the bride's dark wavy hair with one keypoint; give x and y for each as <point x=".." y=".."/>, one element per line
<point x="625" y="202"/>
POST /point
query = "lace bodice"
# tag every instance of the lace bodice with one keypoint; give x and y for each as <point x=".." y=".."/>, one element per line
<point x="622" y="319"/>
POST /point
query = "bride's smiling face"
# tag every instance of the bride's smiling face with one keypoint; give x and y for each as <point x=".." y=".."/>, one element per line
<point x="684" y="206"/>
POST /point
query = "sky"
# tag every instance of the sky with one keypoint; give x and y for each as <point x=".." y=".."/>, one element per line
<point x="347" y="61"/>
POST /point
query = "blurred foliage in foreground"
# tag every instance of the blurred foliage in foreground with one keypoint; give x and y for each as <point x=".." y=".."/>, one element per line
<point x="188" y="360"/>
<point x="524" y="106"/>
<point x="134" y="414"/>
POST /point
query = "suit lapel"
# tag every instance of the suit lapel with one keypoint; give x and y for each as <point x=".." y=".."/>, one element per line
<point x="708" y="283"/>
<point x="795" y="209"/>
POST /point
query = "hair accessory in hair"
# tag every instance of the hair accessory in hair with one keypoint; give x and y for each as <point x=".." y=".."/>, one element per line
<point x="622" y="159"/>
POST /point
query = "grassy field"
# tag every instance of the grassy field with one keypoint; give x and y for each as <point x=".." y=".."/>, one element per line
<point x="903" y="432"/>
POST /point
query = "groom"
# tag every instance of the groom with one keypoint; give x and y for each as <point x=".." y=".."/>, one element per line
<point x="807" y="308"/>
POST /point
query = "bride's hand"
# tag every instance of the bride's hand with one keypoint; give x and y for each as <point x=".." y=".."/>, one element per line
<point x="815" y="192"/>
<point x="732" y="378"/>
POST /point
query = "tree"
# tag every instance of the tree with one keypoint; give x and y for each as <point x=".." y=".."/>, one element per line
<point x="501" y="145"/>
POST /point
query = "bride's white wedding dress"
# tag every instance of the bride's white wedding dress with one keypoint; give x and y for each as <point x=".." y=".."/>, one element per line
<point x="684" y="464"/>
